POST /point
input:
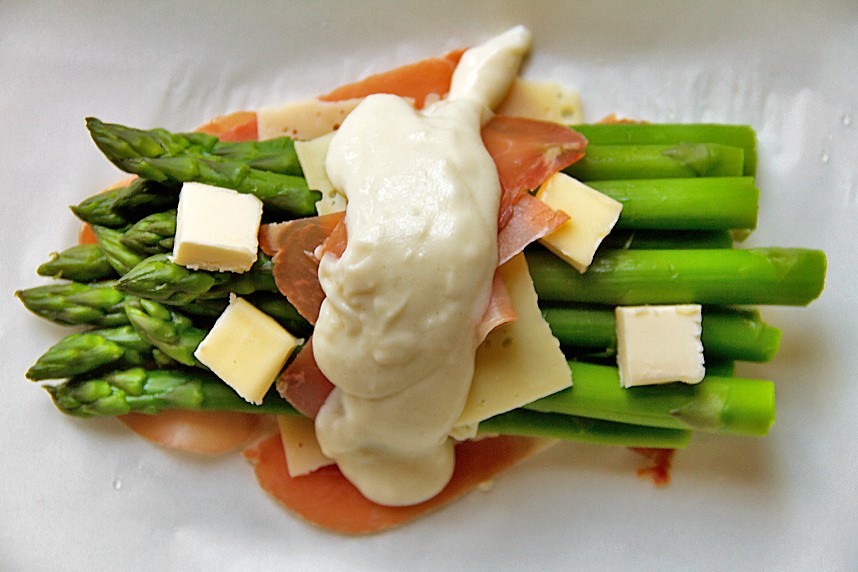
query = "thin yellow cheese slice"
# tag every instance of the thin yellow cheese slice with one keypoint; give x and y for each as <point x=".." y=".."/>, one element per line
<point x="303" y="454"/>
<point x="545" y="101"/>
<point x="518" y="362"/>
<point x="305" y="119"/>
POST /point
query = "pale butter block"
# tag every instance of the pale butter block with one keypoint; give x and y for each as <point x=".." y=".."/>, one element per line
<point x="542" y="100"/>
<point x="247" y="349"/>
<point x="303" y="454"/>
<point x="519" y="362"/>
<point x="592" y="215"/>
<point x="216" y="229"/>
<point x="305" y="119"/>
<point x="659" y="344"/>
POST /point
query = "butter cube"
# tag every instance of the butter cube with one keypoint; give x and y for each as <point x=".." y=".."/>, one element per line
<point x="659" y="344"/>
<point x="247" y="349"/>
<point x="216" y="229"/>
<point x="592" y="215"/>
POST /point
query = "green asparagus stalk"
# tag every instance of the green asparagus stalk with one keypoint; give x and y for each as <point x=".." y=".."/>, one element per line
<point x="161" y="156"/>
<point x="97" y="209"/>
<point x="615" y="162"/>
<point x="706" y="203"/>
<point x="158" y="279"/>
<point x="98" y="304"/>
<point x="153" y="234"/>
<point x="667" y="239"/>
<point x="142" y="197"/>
<point x="741" y="136"/>
<point x="81" y="263"/>
<point x="716" y="404"/>
<point x="168" y="330"/>
<point x="119" y="256"/>
<point x="119" y="207"/>
<point x="583" y="429"/>
<point x="728" y="333"/>
<point x="86" y="352"/>
<point x="787" y="276"/>
<point x="153" y="391"/>
<point x="73" y="355"/>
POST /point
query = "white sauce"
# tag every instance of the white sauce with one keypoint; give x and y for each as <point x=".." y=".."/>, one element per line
<point x="397" y="331"/>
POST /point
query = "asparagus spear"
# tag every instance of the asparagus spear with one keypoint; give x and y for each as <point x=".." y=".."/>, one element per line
<point x="741" y="136"/>
<point x="612" y="162"/>
<point x="667" y="239"/>
<point x="73" y="355"/>
<point x="153" y="234"/>
<point x="788" y="276"/>
<point x="706" y="203"/>
<point x="120" y="257"/>
<point x="728" y="333"/>
<point x="161" y="156"/>
<point x="716" y="404"/>
<point x="81" y="263"/>
<point x="158" y="279"/>
<point x="119" y="207"/>
<point x="153" y="391"/>
<point x="98" y="304"/>
<point x="86" y="352"/>
<point x="166" y="329"/>
<point x="587" y="430"/>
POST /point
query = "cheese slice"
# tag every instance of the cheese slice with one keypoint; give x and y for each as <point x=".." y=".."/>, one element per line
<point x="246" y="348"/>
<point x="303" y="454"/>
<point x="659" y="344"/>
<point x="312" y="155"/>
<point x="592" y="215"/>
<point x="305" y="119"/>
<point x="518" y="362"/>
<point x="545" y="101"/>
<point x="216" y="229"/>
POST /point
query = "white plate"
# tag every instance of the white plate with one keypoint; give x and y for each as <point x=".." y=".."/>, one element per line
<point x="77" y="494"/>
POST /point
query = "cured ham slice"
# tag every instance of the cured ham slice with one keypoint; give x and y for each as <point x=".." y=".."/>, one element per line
<point x="209" y="432"/>
<point x="420" y="81"/>
<point x="327" y="499"/>
<point x="303" y="384"/>
<point x="296" y="269"/>
<point x="527" y="152"/>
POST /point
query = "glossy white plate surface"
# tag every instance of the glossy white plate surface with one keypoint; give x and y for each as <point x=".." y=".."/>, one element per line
<point x="88" y="495"/>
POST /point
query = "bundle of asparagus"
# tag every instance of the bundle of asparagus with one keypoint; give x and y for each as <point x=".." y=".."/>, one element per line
<point x="684" y="189"/>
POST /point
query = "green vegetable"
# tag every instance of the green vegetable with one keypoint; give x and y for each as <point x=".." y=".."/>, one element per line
<point x="707" y="203"/>
<point x="584" y="429"/>
<point x="160" y="156"/>
<point x="86" y="352"/>
<point x="81" y="263"/>
<point x="741" y="136"/>
<point x="153" y="234"/>
<point x="728" y="333"/>
<point x="716" y="404"/>
<point x="788" y="276"/>
<point x="667" y="239"/>
<point x="98" y="304"/>
<point x="160" y="280"/>
<point x="614" y="162"/>
<point x="119" y="207"/>
<point x="119" y="256"/>
<point x="168" y="330"/>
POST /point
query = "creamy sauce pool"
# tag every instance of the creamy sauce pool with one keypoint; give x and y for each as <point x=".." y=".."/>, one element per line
<point x="396" y="333"/>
